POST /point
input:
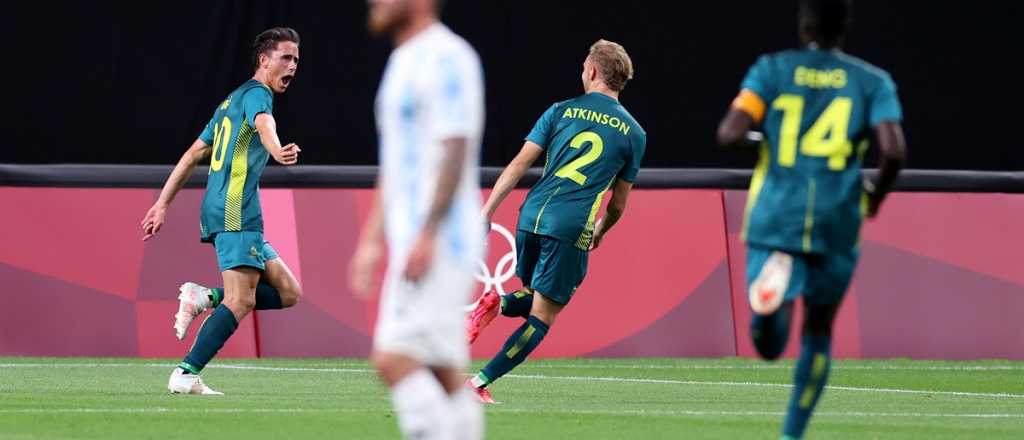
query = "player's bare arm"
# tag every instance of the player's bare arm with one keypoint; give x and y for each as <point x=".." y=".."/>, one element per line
<point x="154" y="219"/>
<point x="369" y="251"/>
<point x="510" y="177"/>
<point x="266" y="126"/>
<point x="422" y="253"/>
<point x="736" y="128"/>
<point x="616" y="208"/>
<point x="893" y="148"/>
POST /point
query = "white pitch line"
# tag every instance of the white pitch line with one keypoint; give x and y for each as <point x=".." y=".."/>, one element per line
<point x="757" y="385"/>
<point x="303" y="369"/>
<point x="639" y="412"/>
<point x="172" y="410"/>
<point x="542" y="377"/>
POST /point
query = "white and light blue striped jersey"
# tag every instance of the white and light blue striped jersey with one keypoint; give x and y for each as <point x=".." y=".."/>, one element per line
<point x="432" y="90"/>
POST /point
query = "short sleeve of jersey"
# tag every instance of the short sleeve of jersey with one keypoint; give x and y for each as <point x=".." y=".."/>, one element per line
<point x="885" y="105"/>
<point x="636" y="156"/>
<point x="255" y="101"/>
<point x="459" y="99"/>
<point x="760" y="79"/>
<point x="541" y="133"/>
<point x="207" y="135"/>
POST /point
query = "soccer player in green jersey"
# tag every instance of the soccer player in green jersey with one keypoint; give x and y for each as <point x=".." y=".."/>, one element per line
<point x="817" y="108"/>
<point x="592" y="144"/>
<point x="238" y="140"/>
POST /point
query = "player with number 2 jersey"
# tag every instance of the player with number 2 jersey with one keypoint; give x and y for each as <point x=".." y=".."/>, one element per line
<point x="591" y="145"/>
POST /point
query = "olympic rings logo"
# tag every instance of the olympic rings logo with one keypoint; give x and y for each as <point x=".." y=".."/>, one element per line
<point x="506" y="267"/>
<point x="503" y="271"/>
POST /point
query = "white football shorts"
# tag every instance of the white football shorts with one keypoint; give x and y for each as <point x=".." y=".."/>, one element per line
<point x="426" y="320"/>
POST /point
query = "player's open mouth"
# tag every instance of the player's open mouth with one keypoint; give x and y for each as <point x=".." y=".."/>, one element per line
<point x="286" y="80"/>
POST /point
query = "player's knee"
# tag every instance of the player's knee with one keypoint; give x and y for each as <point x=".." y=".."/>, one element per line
<point x="247" y="302"/>
<point x="546" y="317"/>
<point x="291" y="295"/>
<point x="241" y="302"/>
<point x="385" y="370"/>
<point x="542" y="311"/>
<point x="545" y="309"/>
<point x="379" y="362"/>
<point x="391" y="368"/>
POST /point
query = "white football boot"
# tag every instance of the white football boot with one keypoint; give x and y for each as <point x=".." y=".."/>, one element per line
<point x="181" y="383"/>
<point x="769" y="289"/>
<point x="192" y="302"/>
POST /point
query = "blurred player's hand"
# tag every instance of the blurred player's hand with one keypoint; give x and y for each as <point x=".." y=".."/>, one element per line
<point x="288" y="154"/>
<point x="874" y="203"/>
<point x="874" y="198"/>
<point x="421" y="257"/>
<point x="598" y="235"/>
<point x="362" y="270"/>
<point x="487" y="222"/>
<point x="153" y="221"/>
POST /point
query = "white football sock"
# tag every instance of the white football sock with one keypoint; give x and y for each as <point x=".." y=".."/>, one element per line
<point x="423" y="408"/>
<point x="478" y="381"/>
<point x="469" y="415"/>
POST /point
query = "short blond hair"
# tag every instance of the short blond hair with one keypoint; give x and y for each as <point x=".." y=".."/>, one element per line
<point x="613" y="62"/>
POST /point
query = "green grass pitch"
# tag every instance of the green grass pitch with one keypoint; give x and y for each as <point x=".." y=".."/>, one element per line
<point x="65" y="398"/>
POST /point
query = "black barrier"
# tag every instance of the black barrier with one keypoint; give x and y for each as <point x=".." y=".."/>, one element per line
<point x="340" y="176"/>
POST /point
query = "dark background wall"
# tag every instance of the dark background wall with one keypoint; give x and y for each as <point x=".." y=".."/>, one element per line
<point x="133" y="82"/>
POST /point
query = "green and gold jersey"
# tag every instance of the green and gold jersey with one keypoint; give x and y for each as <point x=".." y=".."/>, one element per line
<point x="232" y="201"/>
<point x="588" y="141"/>
<point x="819" y="107"/>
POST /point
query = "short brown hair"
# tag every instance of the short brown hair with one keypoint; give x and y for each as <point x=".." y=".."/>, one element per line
<point x="267" y="41"/>
<point x="613" y="62"/>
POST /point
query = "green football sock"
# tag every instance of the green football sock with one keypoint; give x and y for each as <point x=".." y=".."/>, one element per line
<point x="214" y="333"/>
<point x="267" y="297"/>
<point x="518" y="346"/>
<point x="216" y="295"/>
<point x="809" y="378"/>
<point x="517" y="304"/>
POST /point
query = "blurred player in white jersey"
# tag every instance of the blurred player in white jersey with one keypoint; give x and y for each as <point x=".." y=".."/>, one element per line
<point x="430" y="117"/>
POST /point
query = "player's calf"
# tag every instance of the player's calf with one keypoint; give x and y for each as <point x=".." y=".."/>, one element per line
<point x="423" y="408"/>
<point x="468" y="415"/>
<point x="517" y="347"/>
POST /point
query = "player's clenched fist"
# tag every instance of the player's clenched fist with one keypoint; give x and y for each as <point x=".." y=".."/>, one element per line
<point x="288" y="154"/>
